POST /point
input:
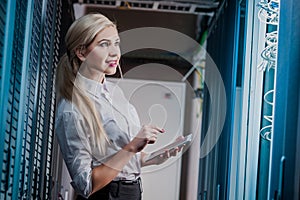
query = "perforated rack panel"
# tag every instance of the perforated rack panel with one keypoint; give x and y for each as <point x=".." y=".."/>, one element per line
<point x="27" y="103"/>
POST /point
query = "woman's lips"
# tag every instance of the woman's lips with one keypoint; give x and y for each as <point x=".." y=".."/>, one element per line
<point x="113" y="63"/>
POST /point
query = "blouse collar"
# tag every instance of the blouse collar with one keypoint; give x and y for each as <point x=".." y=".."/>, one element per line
<point x="93" y="87"/>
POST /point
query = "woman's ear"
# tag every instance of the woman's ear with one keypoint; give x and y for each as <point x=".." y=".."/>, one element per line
<point x="80" y="53"/>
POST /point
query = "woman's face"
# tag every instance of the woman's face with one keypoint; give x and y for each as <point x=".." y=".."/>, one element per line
<point x="102" y="55"/>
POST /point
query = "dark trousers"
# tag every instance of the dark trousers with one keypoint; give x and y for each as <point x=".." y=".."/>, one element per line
<point x="118" y="190"/>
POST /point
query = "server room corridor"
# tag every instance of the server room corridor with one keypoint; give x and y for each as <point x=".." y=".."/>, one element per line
<point x="225" y="71"/>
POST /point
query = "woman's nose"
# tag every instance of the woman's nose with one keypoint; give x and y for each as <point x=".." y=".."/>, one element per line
<point x="114" y="51"/>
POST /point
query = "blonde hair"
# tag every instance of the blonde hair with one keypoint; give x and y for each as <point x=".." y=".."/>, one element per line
<point x="80" y="35"/>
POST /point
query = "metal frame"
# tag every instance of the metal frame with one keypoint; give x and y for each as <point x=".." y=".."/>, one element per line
<point x="189" y="7"/>
<point x="235" y="134"/>
<point x="6" y="63"/>
<point x="21" y="116"/>
<point x="49" y="98"/>
<point x="244" y="171"/>
<point x="284" y="169"/>
<point x="253" y="100"/>
<point x="33" y="173"/>
<point x="214" y="169"/>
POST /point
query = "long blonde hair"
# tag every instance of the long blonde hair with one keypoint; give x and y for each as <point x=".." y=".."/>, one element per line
<point x="80" y="35"/>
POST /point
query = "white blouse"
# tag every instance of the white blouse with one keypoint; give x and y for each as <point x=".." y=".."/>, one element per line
<point x="120" y="121"/>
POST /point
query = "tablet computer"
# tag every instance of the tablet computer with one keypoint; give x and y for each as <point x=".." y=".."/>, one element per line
<point x="186" y="140"/>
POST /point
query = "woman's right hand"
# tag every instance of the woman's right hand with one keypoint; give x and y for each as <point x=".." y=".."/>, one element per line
<point x="147" y="135"/>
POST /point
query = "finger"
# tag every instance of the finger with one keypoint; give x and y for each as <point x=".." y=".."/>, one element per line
<point x="180" y="138"/>
<point x="167" y="154"/>
<point x="175" y="151"/>
<point x="160" y="130"/>
<point x="154" y="132"/>
<point x="152" y="139"/>
<point x="164" y="156"/>
<point x="181" y="147"/>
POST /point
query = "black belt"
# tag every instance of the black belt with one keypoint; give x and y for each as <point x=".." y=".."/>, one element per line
<point x="128" y="182"/>
<point x="114" y="188"/>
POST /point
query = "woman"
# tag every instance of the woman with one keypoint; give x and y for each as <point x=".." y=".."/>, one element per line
<point x="97" y="129"/>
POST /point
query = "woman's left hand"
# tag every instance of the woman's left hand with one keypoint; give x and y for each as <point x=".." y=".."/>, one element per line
<point x="162" y="157"/>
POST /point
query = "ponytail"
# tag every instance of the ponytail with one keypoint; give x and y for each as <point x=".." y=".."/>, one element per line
<point x="67" y="88"/>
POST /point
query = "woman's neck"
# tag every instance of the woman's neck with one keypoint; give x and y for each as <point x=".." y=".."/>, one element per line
<point x="92" y="74"/>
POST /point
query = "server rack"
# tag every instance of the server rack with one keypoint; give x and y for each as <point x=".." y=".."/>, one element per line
<point x="29" y="41"/>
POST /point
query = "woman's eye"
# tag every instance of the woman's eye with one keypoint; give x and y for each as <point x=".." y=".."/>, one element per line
<point x="104" y="44"/>
<point x="117" y="43"/>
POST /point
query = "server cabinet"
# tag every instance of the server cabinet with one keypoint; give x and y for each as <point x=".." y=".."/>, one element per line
<point x="284" y="170"/>
<point x="29" y="35"/>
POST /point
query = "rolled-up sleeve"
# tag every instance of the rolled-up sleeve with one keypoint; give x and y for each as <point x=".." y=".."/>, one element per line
<point x="76" y="150"/>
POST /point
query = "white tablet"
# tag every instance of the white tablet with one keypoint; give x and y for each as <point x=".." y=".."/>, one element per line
<point x="186" y="140"/>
